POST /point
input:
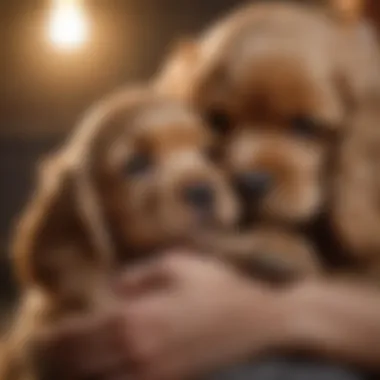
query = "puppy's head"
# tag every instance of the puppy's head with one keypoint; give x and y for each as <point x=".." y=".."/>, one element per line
<point x="157" y="176"/>
<point x="279" y="173"/>
<point x="283" y="79"/>
<point x="136" y="175"/>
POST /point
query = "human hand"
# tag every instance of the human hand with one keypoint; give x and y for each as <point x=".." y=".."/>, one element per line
<point x="80" y="347"/>
<point x="181" y="315"/>
<point x="188" y="314"/>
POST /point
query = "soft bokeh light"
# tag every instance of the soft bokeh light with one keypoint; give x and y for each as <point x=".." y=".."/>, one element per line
<point x="68" y="24"/>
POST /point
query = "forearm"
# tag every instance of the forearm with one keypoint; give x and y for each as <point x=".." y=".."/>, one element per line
<point x="334" y="321"/>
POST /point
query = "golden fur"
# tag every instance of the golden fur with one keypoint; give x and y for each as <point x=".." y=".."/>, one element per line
<point x="295" y="90"/>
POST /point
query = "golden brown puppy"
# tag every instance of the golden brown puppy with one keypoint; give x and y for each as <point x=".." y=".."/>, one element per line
<point x="296" y="87"/>
<point x="135" y="177"/>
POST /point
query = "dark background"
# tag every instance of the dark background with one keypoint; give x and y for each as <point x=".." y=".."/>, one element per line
<point x="43" y="91"/>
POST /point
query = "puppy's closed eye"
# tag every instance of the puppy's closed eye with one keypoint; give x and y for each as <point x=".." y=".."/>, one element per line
<point x="138" y="164"/>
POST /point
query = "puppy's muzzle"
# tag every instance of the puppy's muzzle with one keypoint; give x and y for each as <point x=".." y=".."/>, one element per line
<point x="200" y="196"/>
<point x="252" y="186"/>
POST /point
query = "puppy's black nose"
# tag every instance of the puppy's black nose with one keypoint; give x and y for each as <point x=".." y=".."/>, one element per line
<point x="253" y="184"/>
<point x="200" y="195"/>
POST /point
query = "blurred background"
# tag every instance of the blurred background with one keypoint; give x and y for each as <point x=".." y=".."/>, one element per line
<point x="58" y="56"/>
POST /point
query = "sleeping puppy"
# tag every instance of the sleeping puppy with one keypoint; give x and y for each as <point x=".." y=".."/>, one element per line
<point x="295" y="90"/>
<point x="135" y="177"/>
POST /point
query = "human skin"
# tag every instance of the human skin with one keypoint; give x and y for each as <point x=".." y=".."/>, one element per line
<point x="185" y="316"/>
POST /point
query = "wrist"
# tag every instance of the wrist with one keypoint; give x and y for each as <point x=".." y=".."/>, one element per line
<point x="270" y="317"/>
<point x="302" y="324"/>
<point x="285" y="321"/>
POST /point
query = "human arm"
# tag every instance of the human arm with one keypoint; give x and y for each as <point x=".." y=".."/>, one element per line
<point x="185" y="316"/>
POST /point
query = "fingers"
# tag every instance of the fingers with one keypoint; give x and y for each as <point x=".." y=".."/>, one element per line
<point x="142" y="278"/>
<point x="100" y="352"/>
<point x="152" y="275"/>
<point x="84" y="346"/>
<point x="79" y="329"/>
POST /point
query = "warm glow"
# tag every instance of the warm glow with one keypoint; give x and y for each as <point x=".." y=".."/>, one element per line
<point x="68" y="24"/>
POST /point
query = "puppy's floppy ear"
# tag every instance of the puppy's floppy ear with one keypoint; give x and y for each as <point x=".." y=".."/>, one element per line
<point x="356" y="204"/>
<point x="61" y="240"/>
<point x="173" y="78"/>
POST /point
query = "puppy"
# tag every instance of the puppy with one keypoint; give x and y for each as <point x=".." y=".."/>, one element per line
<point x="135" y="177"/>
<point x="295" y="88"/>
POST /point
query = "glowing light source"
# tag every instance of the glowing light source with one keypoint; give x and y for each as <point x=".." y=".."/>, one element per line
<point x="68" y="24"/>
